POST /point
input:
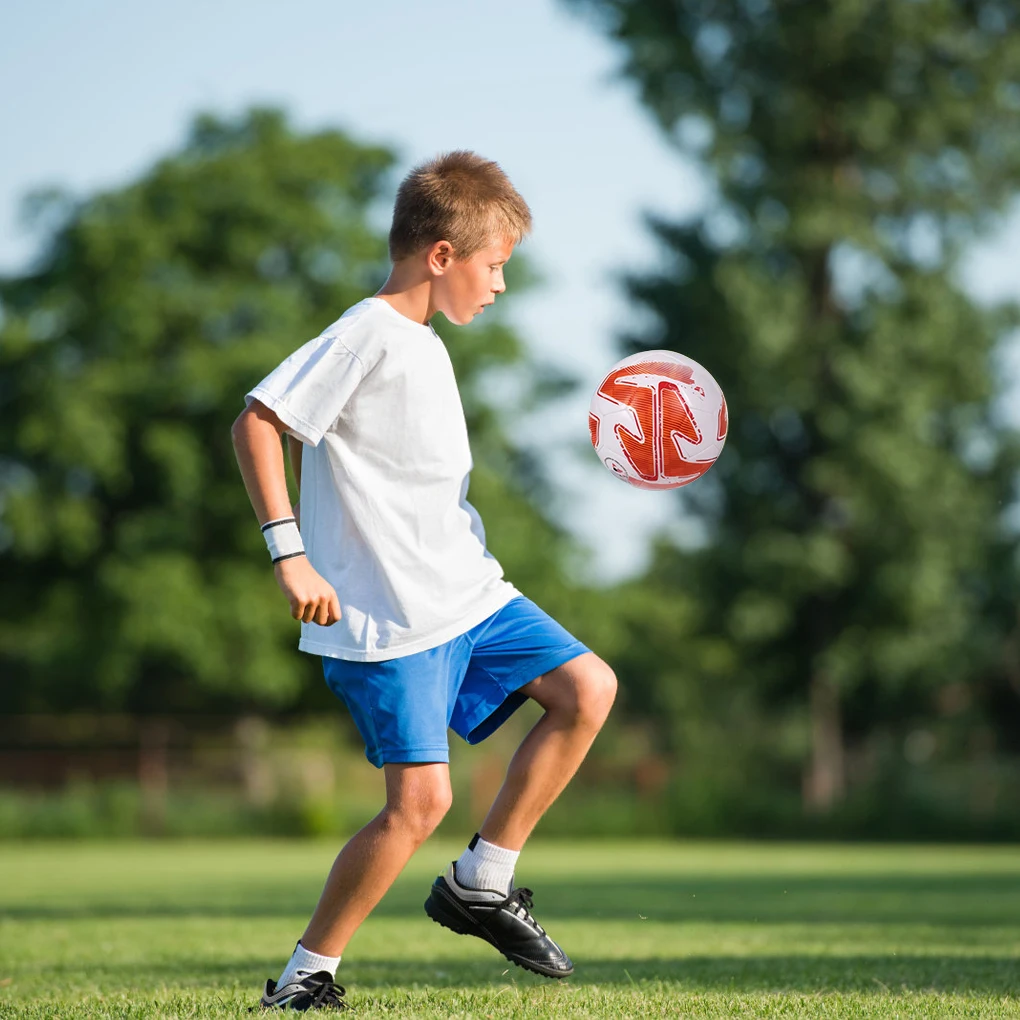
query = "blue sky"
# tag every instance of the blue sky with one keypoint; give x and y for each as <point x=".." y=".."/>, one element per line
<point x="95" y="92"/>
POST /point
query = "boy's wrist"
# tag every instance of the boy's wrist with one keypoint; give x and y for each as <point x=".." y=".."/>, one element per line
<point x="283" y="539"/>
<point x="290" y="556"/>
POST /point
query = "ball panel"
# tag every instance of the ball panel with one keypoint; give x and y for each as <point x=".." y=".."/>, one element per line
<point x="676" y="415"/>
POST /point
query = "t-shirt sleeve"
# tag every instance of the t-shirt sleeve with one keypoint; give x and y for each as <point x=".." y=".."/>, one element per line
<point x="308" y="391"/>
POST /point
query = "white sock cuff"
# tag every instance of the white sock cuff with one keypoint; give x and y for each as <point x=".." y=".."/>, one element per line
<point x="492" y="854"/>
<point x="485" y="866"/>
<point x="304" y="962"/>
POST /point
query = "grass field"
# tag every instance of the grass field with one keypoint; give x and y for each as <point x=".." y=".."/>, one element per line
<point x="700" y="930"/>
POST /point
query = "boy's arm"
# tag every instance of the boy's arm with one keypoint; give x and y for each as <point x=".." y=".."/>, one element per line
<point x="294" y="449"/>
<point x="256" y="434"/>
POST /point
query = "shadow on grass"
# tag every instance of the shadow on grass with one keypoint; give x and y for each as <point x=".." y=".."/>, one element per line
<point x="796" y="973"/>
<point x="978" y="974"/>
<point x="928" y="899"/>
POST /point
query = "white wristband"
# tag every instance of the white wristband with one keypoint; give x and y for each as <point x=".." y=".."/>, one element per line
<point x="283" y="539"/>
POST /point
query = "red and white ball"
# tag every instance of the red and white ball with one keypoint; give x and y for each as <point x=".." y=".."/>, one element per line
<point x="658" y="420"/>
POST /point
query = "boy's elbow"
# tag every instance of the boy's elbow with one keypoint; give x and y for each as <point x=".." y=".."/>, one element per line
<point x="254" y="419"/>
<point x="238" y="430"/>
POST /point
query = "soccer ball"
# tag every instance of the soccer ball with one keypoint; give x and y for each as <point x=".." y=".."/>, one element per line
<point x="658" y="420"/>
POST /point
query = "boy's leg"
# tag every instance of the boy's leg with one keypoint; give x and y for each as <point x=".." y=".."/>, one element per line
<point x="472" y="897"/>
<point x="417" y="798"/>
<point x="577" y="697"/>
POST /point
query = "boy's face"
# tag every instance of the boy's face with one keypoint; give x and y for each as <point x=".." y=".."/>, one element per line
<point x="463" y="288"/>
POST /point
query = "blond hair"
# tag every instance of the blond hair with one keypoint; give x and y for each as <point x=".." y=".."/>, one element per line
<point x="457" y="197"/>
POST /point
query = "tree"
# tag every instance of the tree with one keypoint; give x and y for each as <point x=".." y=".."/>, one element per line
<point x="852" y="524"/>
<point x="134" y="576"/>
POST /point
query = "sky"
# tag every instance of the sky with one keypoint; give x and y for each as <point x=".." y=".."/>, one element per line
<point x="94" y="93"/>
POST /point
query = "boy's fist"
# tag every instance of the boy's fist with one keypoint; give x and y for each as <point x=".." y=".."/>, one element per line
<point x="312" y="598"/>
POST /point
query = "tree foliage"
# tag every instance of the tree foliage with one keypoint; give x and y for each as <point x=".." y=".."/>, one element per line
<point x="134" y="575"/>
<point x="855" y="570"/>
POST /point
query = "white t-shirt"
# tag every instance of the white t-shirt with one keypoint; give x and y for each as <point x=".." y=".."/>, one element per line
<point x="384" y="478"/>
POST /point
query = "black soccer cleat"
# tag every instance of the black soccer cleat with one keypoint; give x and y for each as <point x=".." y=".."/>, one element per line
<point x="503" y="921"/>
<point x="316" y="991"/>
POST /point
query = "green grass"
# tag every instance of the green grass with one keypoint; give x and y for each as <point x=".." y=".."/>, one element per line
<point x="700" y="930"/>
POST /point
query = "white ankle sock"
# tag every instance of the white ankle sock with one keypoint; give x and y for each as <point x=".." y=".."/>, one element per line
<point x="303" y="963"/>
<point x="486" y="866"/>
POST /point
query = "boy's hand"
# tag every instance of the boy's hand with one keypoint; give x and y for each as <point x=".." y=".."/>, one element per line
<point x="312" y="598"/>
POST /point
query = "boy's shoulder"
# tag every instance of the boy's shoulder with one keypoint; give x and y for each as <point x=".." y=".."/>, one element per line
<point x="367" y="330"/>
<point x="371" y="330"/>
<point x="371" y="318"/>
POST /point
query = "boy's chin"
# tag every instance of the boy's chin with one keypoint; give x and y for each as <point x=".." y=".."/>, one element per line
<point x="460" y="320"/>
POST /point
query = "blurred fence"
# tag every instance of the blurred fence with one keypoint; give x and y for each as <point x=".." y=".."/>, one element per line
<point x="119" y="775"/>
<point x="106" y="776"/>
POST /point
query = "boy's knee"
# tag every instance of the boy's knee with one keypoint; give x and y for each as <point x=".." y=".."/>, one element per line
<point x="596" y="693"/>
<point x="420" y="810"/>
<point x="585" y="694"/>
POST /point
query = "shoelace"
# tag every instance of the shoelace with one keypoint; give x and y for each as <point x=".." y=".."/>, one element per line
<point x="329" y="994"/>
<point x="520" y="902"/>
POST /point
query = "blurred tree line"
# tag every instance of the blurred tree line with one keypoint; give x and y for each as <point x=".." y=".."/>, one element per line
<point x="854" y="600"/>
<point x="843" y="638"/>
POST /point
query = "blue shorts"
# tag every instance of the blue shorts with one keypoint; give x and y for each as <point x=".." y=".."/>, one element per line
<point x="403" y="707"/>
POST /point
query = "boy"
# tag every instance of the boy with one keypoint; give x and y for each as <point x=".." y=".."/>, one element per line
<point x="417" y="628"/>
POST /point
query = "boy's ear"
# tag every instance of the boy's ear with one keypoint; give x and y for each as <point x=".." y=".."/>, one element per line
<point x="439" y="256"/>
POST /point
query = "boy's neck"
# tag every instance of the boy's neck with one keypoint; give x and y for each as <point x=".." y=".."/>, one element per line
<point x="408" y="290"/>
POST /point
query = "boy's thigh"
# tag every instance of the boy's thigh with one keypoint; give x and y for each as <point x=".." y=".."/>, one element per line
<point x="400" y="706"/>
<point x="515" y="646"/>
<point x="584" y="687"/>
